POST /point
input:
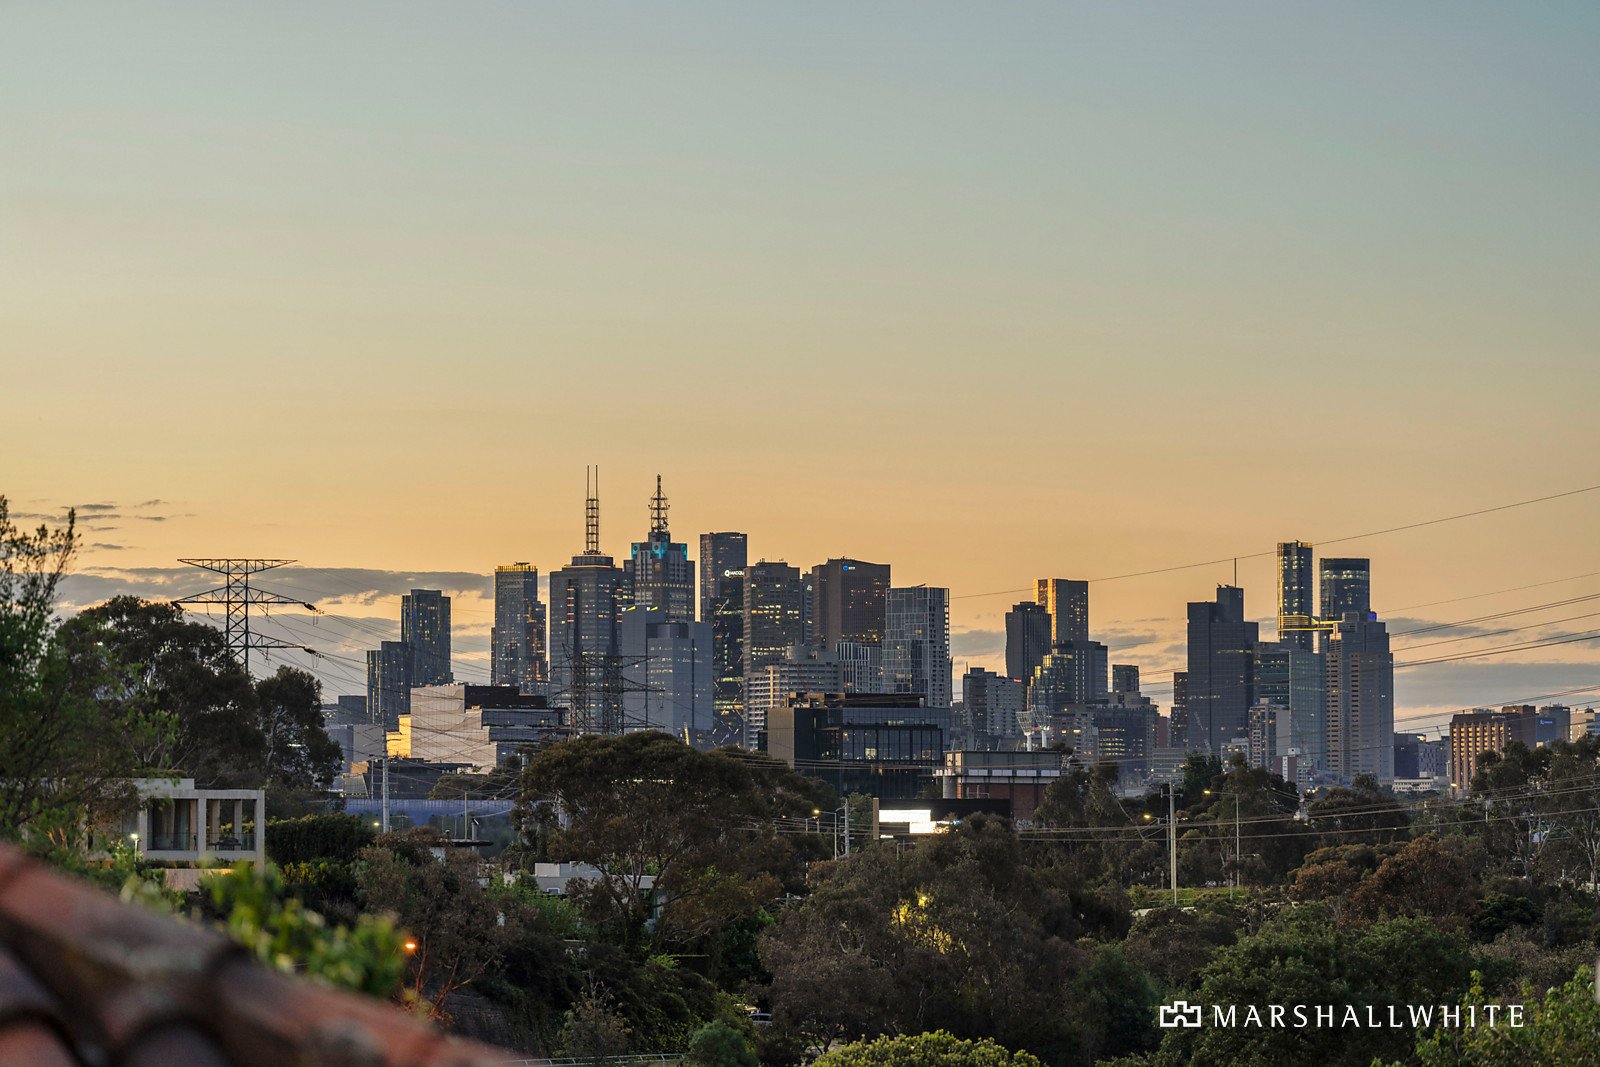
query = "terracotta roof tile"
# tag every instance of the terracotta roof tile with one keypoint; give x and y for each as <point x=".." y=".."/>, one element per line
<point x="143" y="989"/>
<point x="35" y="1045"/>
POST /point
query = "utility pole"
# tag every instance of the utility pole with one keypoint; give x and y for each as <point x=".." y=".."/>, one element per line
<point x="1237" y="857"/>
<point x="236" y="596"/>
<point x="1172" y="837"/>
<point x="385" y="804"/>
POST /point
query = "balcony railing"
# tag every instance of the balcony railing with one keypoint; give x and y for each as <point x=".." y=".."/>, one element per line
<point x="172" y="843"/>
<point x="232" y="842"/>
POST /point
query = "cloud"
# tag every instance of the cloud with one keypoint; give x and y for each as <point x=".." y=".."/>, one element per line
<point x="977" y="642"/>
<point x="352" y="585"/>
<point x="104" y="547"/>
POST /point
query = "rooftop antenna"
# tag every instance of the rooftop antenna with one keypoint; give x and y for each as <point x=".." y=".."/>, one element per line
<point x="591" y="541"/>
<point x="658" y="511"/>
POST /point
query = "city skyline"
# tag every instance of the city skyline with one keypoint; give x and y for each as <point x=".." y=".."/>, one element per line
<point x="1157" y="656"/>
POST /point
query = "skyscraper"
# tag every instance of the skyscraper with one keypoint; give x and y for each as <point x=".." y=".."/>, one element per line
<point x="719" y="554"/>
<point x="1027" y="639"/>
<point x="667" y="672"/>
<point x="585" y="663"/>
<point x="916" y="648"/>
<point x="727" y="652"/>
<point x="1074" y="673"/>
<point x="516" y="642"/>
<point x="1221" y="676"/>
<point x="389" y="683"/>
<point x="1346" y="587"/>
<point x="659" y="573"/>
<point x="1291" y="678"/>
<point x="774" y="607"/>
<point x="1067" y="602"/>
<point x="994" y="705"/>
<point x="860" y="666"/>
<point x="1296" y="609"/>
<point x="850" y="602"/>
<point x="1359" y="692"/>
<point x="425" y="630"/>
<point x="1125" y="678"/>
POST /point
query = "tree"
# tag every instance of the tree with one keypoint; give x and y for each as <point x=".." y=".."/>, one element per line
<point x="1561" y="1027"/>
<point x="646" y="806"/>
<point x="1571" y="804"/>
<point x="66" y="753"/>
<point x="228" y="729"/>
<point x="960" y="932"/>
<point x="936" y="1049"/>
<point x="298" y="751"/>
<point x="1359" y="813"/>
<point x="1174" y="944"/>
<point x="185" y="670"/>
<point x="594" y="1032"/>
<point x="460" y="933"/>
<point x="1512" y="787"/>
<point x="1300" y="957"/>
<point x="719" y="1044"/>
<point x="1426" y="878"/>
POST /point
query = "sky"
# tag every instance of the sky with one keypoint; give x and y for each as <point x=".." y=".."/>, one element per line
<point x="990" y="292"/>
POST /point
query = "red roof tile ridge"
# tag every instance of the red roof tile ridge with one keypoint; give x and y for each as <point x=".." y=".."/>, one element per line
<point x="120" y="978"/>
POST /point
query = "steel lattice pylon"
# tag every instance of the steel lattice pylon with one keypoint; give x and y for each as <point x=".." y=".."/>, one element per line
<point x="237" y="596"/>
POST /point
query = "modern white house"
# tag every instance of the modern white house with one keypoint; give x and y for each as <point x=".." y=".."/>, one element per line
<point x="177" y="822"/>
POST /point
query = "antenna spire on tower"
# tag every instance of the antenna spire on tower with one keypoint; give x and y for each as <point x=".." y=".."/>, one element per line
<point x="658" y="510"/>
<point x="591" y="540"/>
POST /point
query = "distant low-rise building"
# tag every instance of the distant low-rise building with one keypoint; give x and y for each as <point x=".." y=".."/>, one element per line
<point x="1018" y="778"/>
<point x="479" y="725"/>
<point x="883" y="745"/>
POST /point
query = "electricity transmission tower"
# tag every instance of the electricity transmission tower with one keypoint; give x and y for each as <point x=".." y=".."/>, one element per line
<point x="237" y="595"/>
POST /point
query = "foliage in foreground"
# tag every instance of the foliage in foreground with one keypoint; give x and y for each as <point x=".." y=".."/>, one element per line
<point x="369" y="957"/>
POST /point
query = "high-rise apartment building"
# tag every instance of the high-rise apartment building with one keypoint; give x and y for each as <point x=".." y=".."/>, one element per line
<point x="516" y="641"/>
<point x="727" y="654"/>
<point x="1291" y="677"/>
<point x="1359" y="694"/>
<point x="1028" y="630"/>
<point x="425" y="630"/>
<point x="1067" y="601"/>
<point x="720" y="553"/>
<point x="916" y="649"/>
<point x="658" y="572"/>
<point x="586" y="597"/>
<point x="1296" y="606"/>
<point x="667" y="672"/>
<point x="1474" y="733"/>
<point x="1125" y="678"/>
<point x="774" y="619"/>
<point x="1221" y="675"/>
<point x="994" y="704"/>
<point x="1346" y="586"/>
<point x="849" y="602"/>
<point x="1073" y="674"/>
<point x="389" y="683"/>
<point x="860" y="666"/>
<point x="802" y="668"/>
